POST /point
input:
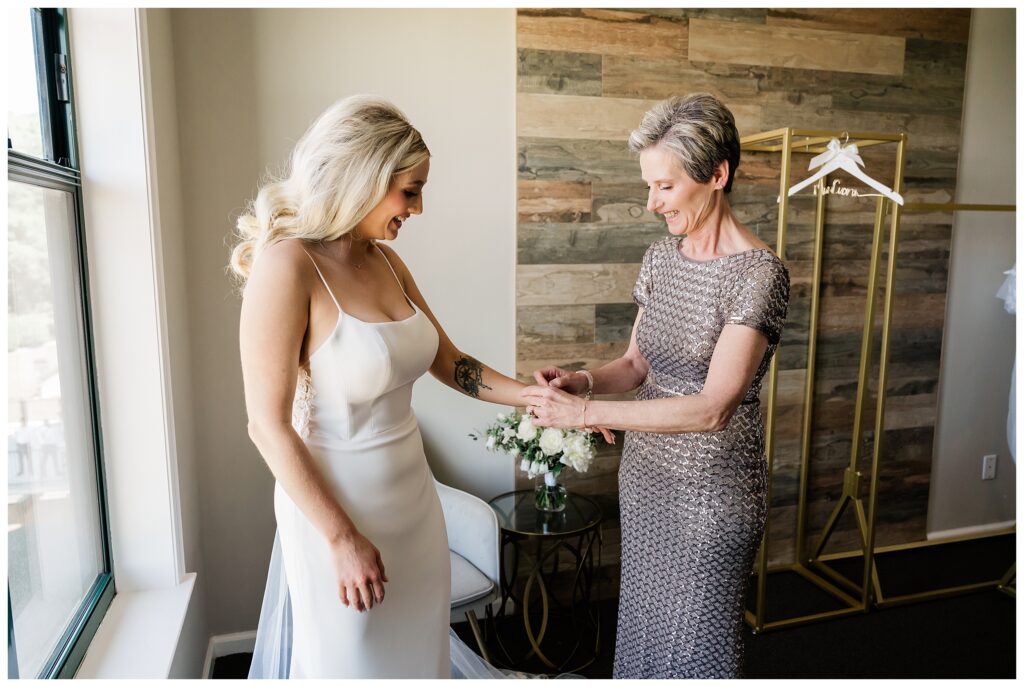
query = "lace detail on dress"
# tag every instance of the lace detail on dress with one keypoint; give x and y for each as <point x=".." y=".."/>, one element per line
<point x="302" y="404"/>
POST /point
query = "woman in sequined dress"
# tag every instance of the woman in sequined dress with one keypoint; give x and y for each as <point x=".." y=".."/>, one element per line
<point x="712" y="300"/>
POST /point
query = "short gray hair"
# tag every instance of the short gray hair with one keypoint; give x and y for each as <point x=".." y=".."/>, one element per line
<point x="697" y="129"/>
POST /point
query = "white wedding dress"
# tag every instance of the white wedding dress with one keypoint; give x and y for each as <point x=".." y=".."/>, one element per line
<point x="354" y="412"/>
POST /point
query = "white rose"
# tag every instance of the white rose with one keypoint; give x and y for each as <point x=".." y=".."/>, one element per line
<point x="526" y="430"/>
<point x="551" y="441"/>
<point x="574" y="462"/>
<point x="571" y="459"/>
<point x="577" y="443"/>
<point x="578" y="453"/>
<point x="542" y="468"/>
<point x="508" y="433"/>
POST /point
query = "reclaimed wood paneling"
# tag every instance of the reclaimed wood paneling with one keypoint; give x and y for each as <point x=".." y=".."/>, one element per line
<point x="614" y="321"/>
<point x="941" y="132"/>
<point x="574" y="284"/>
<point x="755" y="16"/>
<point x="553" y="201"/>
<point x="576" y="160"/>
<point x="934" y="62"/>
<point x="586" y="77"/>
<point x="555" y="324"/>
<point x="917" y="310"/>
<point x="572" y="116"/>
<point x="542" y="244"/>
<point x="608" y="33"/>
<point x="622" y="202"/>
<point x="952" y="25"/>
<point x="568" y="73"/>
<point x="639" y="77"/>
<point x="566" y="116"/>
<point x="780" y="46"/>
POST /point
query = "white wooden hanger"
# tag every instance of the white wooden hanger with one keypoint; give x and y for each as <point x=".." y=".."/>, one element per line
<point x="847" y="159"/>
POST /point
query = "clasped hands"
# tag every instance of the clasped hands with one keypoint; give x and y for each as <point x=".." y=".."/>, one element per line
<point x="555" y="402"/>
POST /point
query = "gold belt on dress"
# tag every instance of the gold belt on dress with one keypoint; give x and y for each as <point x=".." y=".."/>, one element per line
<point x="651" y="381"/>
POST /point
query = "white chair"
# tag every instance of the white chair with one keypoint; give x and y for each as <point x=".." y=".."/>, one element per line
<point x="473" y="543"/>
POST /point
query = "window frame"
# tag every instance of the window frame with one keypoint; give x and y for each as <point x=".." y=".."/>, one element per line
<point x="60" y="171"/>
<point x="49" y="29"/>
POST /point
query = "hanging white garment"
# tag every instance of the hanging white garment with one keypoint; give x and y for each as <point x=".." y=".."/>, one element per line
<point x="1008" y="292"/>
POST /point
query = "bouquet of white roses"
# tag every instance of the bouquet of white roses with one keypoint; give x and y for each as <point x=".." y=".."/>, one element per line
<point x="540" y="450"/>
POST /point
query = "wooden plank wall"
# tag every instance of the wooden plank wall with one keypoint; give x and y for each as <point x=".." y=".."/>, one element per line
<point x="585" y="77"/>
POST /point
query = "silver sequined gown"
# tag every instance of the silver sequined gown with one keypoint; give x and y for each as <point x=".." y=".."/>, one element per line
<point x="693" y="506"/>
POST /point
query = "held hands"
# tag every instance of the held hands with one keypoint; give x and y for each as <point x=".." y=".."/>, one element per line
<point x="360" y="572"/>
<point x="551" y="406"/>
<point x="558" y="378"/>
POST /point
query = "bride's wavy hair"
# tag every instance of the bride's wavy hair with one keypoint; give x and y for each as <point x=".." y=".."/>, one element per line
<point x="340" y="170"/>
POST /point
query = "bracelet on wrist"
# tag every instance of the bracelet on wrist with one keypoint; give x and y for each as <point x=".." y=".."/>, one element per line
<point x="590" y="382"/>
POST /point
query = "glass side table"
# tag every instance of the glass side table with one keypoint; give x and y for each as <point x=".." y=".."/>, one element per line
<point x="543" y="541"/>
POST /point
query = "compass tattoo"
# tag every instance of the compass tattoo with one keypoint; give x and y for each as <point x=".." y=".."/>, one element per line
<point x="469" y="374"/>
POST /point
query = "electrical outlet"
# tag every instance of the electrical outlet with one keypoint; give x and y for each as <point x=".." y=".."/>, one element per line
<point x="988" y="466"/>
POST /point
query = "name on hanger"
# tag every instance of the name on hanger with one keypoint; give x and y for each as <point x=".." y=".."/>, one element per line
<point x="837" y="189"/>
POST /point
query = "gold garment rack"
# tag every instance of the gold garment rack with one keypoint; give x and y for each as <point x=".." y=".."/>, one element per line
<point x="814" y="566"/>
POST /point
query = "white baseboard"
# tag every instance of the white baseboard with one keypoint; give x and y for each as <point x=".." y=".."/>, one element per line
<point x="225" y="645"/>
<point x="968" y="531"/>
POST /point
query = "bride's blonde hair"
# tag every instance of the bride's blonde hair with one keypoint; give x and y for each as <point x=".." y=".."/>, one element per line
<point x="340" y="170"/>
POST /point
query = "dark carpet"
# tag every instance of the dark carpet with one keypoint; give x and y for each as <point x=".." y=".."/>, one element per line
<point x="972" y="636"/>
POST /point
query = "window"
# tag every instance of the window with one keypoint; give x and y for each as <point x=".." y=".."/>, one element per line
<point x="58" y="554"/>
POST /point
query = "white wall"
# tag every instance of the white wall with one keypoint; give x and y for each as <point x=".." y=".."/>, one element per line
<point x="979" y="342"/>
<point x="248" y="84"/>
<point x="452" y="72"/>
<point x="158" y="51"/>
<point x="216" y="132"/>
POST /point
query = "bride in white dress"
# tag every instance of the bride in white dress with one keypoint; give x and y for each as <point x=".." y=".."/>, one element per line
<point x="333" y="334"/>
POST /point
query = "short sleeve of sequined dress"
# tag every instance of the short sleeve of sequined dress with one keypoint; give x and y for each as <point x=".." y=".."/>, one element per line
<point x="642" y="289"/>
<point x="759" y="298"/>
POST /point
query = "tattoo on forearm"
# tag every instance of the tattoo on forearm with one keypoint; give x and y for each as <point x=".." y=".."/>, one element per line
<point x="469" y="374"/>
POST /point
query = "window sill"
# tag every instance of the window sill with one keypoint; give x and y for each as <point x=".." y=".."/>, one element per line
<point x="139" y="634"/>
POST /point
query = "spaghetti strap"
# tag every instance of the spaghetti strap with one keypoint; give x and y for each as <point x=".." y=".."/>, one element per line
<point x="317" y="268"/>
<point x="394" y="273"/>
